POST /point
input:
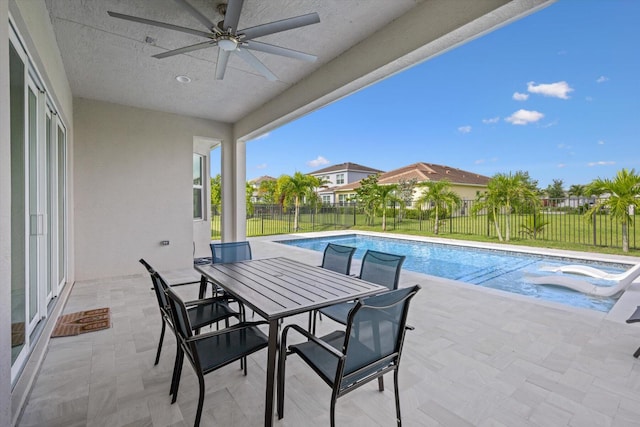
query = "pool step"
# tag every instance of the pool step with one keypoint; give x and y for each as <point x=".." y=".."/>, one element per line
<point x="483" y="275"/>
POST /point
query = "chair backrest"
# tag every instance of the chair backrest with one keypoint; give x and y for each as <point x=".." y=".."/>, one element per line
<point x="381" y="268"/>
<point x="375" y="333"/>
<point x="158" y="287"/>
<point x="338" y="258"/>
<point x="179" y="314"/>
<point x="230" y="252"/>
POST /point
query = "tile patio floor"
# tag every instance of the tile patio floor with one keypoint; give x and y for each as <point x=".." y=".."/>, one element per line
<point x="476" y="358"/>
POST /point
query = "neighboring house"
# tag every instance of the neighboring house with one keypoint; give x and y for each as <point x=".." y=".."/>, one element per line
<point x="255" y="183"/>
<point x="338" y="175"/>
<point x="466" y="184"/>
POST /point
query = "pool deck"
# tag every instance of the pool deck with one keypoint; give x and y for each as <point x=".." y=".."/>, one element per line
<point x="477" y="357"/>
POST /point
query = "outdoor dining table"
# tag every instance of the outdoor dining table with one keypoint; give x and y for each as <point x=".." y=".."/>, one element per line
<point x="276" y="288"/>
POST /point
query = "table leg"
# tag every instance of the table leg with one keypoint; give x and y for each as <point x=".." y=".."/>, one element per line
<point x="271" y="372"/>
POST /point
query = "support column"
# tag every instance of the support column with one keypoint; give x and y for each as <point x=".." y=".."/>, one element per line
<point x="234" y="204"/>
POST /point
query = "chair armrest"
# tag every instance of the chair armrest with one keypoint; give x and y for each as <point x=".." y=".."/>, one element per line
<point x="409" y="328"/>
<point x="313" y="338"/>
<point x="226" y="330"/>
<point x="205" y="301"/>
<point x="184" y="283"/>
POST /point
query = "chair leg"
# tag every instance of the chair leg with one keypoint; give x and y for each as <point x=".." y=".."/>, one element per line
<point x="380" y="383"/>
<point x="282" y="360"/>
<point x="637" y="353"/>
<point x="200" y="400"/>
<point x="178" y="375"/>
<point x="164" y="326"/>
<point x="334" y="397"/>
<point x="397" y="393"/>
<point x="175" y="371"/>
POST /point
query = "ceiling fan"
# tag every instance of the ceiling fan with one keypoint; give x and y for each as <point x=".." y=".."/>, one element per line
<point x="226" y="36"/>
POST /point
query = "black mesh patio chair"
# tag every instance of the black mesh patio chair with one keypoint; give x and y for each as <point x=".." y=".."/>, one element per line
<point x="224" y="253"/>
<point x="335" y="258"/>
<point x="370" y="347"/>
<point x="377" y="267"/>
<point x="202" y="312"/>
<point x="212" y="350"/>
<point x="635" y="317"/>
<point x="338" y="258"/>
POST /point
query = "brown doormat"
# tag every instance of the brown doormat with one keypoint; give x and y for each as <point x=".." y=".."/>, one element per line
<point x="17" y="334"/>
<point x="82" y="321"/>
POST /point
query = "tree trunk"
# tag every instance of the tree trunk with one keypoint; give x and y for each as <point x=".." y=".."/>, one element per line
<point x="435" y="226"/>
<point x="495" y="222"/>
<point x="508" y="226"/>
<point x="295" y="215"/>
<point x="625" y="237"/>
<point x="384" y="219"/>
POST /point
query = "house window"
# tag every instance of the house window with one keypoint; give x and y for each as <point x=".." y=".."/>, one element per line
<point x="326" y="199"/>
<point x="198" y="195"/>
<point x="340" y="178"/>
<point x="342" y="198"/>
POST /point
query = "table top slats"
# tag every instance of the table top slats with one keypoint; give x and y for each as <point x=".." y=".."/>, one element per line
<point x="279" y="287"/>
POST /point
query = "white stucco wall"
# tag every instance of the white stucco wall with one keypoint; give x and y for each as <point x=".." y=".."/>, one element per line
<point x="133" y="187"/>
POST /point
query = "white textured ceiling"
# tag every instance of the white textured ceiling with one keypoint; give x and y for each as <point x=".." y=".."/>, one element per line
<point x="107" y="58"/>
<point x="357" y="42"/>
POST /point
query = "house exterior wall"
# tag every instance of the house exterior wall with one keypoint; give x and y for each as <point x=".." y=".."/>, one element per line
<point x="133" y="186"/>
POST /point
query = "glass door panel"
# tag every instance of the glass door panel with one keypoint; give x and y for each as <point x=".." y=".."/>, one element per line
<point x="18" y="203"/>
<point x="62" y="207"/>
<point x="34" y="217"/>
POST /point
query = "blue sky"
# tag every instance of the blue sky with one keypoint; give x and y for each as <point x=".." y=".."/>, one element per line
<point x="556" y="94"/>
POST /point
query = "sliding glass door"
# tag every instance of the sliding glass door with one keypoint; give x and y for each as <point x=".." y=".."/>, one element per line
<point x="38" y="204"/>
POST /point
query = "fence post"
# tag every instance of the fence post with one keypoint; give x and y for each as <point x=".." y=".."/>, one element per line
<point x="594" y="228"/>
<point x="451" y="219"/>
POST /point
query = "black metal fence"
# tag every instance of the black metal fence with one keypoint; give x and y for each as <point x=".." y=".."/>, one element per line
<point x="561" y="220"/>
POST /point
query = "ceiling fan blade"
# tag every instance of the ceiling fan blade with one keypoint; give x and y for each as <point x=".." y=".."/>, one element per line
<point x="160" y="24"/>
<point x="191" y="48"/>
<point x="199" y="16"/>
<point x="277" y="50"/>
<point x="256" y="64"/>
<point x="221" y="65"/>
<point x="232" y="15"/>
<point x="278" y="26"/>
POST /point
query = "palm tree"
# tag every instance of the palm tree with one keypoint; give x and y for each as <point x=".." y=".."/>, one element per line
<point x="623" y="193"/>
<point x="504" y="192"/>
<point x="438" y="194"/>
<point x="294" y="188"/>
<point x="385" y="194"/>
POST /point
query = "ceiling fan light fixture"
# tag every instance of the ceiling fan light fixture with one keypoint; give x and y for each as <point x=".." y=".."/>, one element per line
<point x="227" y="43"/>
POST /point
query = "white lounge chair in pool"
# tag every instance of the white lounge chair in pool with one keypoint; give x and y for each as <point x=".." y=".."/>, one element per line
<point x="623" y="279"/>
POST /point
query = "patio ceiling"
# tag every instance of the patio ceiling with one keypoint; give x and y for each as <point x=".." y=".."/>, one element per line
<point x="357" y="42"/>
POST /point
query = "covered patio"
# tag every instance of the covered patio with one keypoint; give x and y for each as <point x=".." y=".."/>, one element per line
<point x="476" y="358"/>
<point x="98" y="142"/>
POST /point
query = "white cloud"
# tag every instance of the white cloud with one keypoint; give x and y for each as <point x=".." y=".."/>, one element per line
<point x="601" y="142"/>
<point x="554" y="90"/>
<point x="523" y="117"/>
<point x="561" y="165"/>
<point x="479" y="161"/>
<point x="520" y="96"/>
<point x="601" y="163"/>
<point x="564" y="146"/>
<point x="491" y="120"/>
<point x="318" y="161"/>
<point x="464" y="129"/>
<point x="588" y="98"/>
<point x="602" y="79"/>
<point x="261" y="166"/>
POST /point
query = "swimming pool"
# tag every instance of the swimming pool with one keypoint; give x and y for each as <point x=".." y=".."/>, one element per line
<point x="490" y="268"/>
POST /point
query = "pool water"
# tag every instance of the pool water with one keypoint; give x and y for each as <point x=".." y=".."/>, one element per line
<point x="495" y="269"/>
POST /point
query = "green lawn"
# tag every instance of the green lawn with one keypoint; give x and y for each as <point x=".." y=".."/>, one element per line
<point x="562" y="231"/>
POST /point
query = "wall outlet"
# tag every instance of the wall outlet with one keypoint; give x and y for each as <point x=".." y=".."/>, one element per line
<point x="164" y="242"/>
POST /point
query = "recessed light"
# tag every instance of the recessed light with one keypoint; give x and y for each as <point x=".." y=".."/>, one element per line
<point x="183" y="79"/>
